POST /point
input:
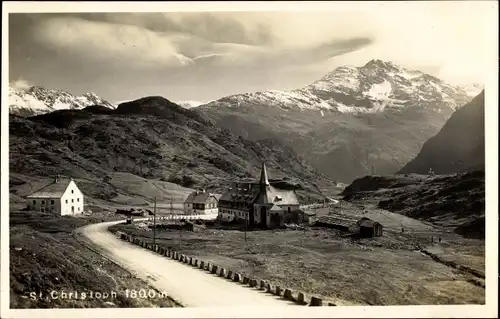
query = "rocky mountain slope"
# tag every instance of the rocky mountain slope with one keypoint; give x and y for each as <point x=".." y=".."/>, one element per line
<point x="459" y="145"/>
<point x="352" y="119"/>
<point x="151" y="138"/>
<point x="455" y="201"/>
<point x="38" y="100"/>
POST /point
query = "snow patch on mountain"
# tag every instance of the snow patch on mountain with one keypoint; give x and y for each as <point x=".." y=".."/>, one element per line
<point x="380" y="91"/>
<point x="35" y="100"/>
<point x="190" y="104"/>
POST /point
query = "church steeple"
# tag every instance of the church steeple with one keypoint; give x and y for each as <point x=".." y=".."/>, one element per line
<point x="263" y="175"/>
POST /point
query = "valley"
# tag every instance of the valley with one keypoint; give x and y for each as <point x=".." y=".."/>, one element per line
<point x="367" y="138"/>
<point x="351" y="121"/>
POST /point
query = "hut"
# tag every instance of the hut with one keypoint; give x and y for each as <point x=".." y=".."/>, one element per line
<point x="369" y="228"/>
<point x="307" y="216"/>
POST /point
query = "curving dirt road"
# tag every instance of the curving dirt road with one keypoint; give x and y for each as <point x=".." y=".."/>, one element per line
<point x="187" y="285"/>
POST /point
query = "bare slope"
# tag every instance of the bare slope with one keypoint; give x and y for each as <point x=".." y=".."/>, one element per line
<point x="459" y="145"/>
<point x="454" y="201"/>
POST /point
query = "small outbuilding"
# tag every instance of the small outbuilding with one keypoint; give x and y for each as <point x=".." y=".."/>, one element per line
<point x="369" y="228"/>
<point x="307" y="216"/>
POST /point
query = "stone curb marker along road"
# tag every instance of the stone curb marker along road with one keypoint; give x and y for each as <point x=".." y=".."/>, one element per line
<point x="187" y="285"/>
<point x="287" y="294"/>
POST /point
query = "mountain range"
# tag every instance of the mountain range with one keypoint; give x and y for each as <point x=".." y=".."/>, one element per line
<point x="152" y="138"/>
<point x="36" y="100"/>
<point x="352" y="121"/>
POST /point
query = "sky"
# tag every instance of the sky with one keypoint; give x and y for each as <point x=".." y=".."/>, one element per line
<point x="202" y="56"/>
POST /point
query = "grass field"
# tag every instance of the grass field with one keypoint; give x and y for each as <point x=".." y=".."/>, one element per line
<point x="45" y="257"/>
<point x="388" y="270"/>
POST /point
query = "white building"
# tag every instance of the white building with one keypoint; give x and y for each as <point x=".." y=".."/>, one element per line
<point x="62" y="196"/>
<point x="201" y="202"/>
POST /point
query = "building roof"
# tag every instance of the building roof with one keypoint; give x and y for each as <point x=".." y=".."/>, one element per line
<point x="53" y="190"/>
<point x="340" y="221"/>
<point x="276" y="208"/>
<point x="198" y="197"/>
<point x="241" y="192"/>
<point x="366" y="222"/>
<point x="309" y="213"/>
<point x="217" y="196"/>
<point x="273" y="195"/>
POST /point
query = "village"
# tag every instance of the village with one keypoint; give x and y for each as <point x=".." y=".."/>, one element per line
<point x="249" y="205"/>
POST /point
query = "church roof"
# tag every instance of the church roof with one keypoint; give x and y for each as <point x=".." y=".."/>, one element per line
<point x="276" y="208"/>
<point x="278" y="196"/>
<point x="263" y="175"/>
<point x="53" y="190"/>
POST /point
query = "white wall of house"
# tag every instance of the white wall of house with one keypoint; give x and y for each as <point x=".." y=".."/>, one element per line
<point x="46" y="205"/>
<point x="72" y="200"/>
<point x="188" y="209"/>
<point x="206" y="211"/>
<point x="227" y="215"/>
<point x="210" y="207"/>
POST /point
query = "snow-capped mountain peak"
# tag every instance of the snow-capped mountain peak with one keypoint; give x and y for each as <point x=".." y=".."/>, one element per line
<point x="37" y="100"/>
<point x="374" y="87"/>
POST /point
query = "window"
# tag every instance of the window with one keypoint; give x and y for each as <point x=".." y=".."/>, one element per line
<point x="71" y="191"/>
<point x="52" y="202"/>
<point x="78" y="208"/>
<point x="78" y="199"/>
<point x="66" y="201"/>
<point x="72" y="200"/>
<point x="34" y="201"/>
<point x="43" y="202"/>
<point x="43" y="210"/>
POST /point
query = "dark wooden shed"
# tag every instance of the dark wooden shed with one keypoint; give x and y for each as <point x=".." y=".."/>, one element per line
<point x="370" y="228"/>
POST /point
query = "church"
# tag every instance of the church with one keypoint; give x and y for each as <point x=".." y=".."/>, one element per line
<point x="261" y="204"/>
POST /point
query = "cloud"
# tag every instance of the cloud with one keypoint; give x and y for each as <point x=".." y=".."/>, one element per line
<point x="142" y="44"/>
<point x="120" y="45"/>
<point x="20" y="84"/>
<point x="215" y="27"/>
